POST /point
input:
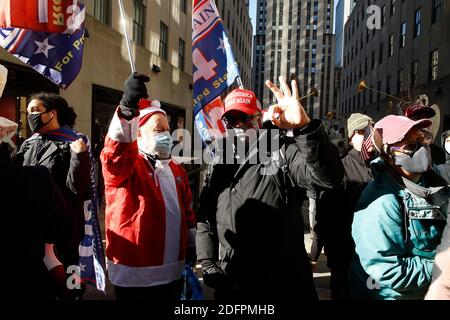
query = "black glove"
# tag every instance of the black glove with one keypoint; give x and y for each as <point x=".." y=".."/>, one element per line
<point x="134" y="90"/>
<point x="58" y="278"/>
<point x="191" y="256"/>
<point x="213" y="275"/>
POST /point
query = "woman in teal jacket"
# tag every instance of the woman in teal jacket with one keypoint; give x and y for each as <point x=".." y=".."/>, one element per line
<point x="400" y="216"/>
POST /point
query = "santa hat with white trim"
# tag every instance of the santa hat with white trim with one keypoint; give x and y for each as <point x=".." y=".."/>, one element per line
<point x="148" y="108"/>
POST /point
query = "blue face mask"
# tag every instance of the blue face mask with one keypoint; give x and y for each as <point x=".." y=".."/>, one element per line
<point x="163" y="145"/>
<point x="160" y="145"/>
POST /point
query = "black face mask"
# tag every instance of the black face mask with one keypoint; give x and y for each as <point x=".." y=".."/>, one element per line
<point x="35" y="121"/>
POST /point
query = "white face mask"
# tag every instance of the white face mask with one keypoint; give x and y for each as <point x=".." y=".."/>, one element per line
<point x="357" y="141"/>
<point x="447" y="147"/>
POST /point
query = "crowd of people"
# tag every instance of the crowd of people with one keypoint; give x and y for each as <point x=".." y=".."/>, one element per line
<point x="379" y="204"/>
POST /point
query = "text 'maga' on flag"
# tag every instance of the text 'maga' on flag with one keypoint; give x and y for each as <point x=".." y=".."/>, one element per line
<point x="39" y="15"/>
<point x="214" y="66"/>
<point x="57" y="56"/>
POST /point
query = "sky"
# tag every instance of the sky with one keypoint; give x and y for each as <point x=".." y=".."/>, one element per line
<point x="253" y="12"/>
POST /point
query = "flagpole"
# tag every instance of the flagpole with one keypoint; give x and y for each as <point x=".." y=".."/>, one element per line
<point x="239" y="82"/>
<point x="127" y="39"/>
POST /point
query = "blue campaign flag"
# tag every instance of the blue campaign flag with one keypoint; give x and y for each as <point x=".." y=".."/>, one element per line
<point x="214" y="66"/>
<point x="92" y="256"/>
<point x="57" y="56"/>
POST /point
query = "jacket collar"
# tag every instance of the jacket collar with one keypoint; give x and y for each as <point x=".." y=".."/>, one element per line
<point x="356" y="155"/>
<point x="384" y="175"/>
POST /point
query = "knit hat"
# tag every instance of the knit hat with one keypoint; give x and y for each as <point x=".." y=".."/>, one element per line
<point x="147" y="109"/>
<point x="357" y="121"/>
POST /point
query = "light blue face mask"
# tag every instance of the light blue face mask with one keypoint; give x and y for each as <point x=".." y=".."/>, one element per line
<point x="163" y="145"/>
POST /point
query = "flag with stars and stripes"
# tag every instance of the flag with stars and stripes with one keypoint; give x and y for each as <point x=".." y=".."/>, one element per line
<point x="57" y="56"/>
<point x="367" y="148"/>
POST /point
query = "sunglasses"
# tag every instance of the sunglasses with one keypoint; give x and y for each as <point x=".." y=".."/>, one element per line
<point x="236" y="119"/>
<point x="409" y="149"/>
<point x="413" y="147"/>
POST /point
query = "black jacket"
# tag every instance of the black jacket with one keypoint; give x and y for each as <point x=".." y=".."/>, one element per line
<point x="444" y="169"/>
<point x="335" y="210"/>
<point x="33" y="214"/>
<point x="71" y="173"/>
<point x="256" y="218"/>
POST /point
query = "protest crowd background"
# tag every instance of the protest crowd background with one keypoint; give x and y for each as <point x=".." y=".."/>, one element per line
<point x="134" y="174"/>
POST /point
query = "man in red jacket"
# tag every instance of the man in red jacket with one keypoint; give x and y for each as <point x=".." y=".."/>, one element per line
<point x="149" y="220"/>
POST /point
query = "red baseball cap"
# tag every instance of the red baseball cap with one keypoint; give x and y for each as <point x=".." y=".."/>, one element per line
<point x="393" y="129"/>
<point x="241" y="100"/>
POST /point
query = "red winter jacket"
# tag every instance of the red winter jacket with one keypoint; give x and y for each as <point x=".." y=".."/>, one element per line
<point x="149" y="220"/>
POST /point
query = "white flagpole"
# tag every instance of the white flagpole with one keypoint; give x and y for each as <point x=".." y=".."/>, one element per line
<point x="239" y="82"/>
<point x="127" y="39"/>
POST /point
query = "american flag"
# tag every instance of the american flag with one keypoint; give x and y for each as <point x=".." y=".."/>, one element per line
<point x="367" y="148"/>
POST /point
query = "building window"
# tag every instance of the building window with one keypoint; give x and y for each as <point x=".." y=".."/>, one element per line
<point x="414" y="74"/>
<point x="437" y="10"/>
<point x="102" y="11"/>
<point x="181" y="50"/>
<point x="434" y="65"/>
<point x="391" y="45"/>
<point x="392" y="7"/>
<point x="418" y="22"/>
<point x="380" y="53"/>
<point x="403" y="35"/>
<point x="400" y="81"/>
<point x="373" y="60"/>
<point x="379" y="90"/>
<point x="388" y="85"/>
<point x="138" y="22"/>
<point x="183" y="5"/>
<point x="163" y="40"/>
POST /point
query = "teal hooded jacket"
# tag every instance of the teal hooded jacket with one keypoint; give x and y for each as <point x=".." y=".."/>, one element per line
<point x="396" y="233"/>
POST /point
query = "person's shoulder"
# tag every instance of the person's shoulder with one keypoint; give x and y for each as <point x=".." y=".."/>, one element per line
<point x="377" y="199"/>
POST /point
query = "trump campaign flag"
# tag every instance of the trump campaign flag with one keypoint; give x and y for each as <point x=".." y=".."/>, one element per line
<point x="214" y="66"/>
<point x="38" y="15"/>
<point x="209" y="120"/>
<point x="57" y="56"/>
